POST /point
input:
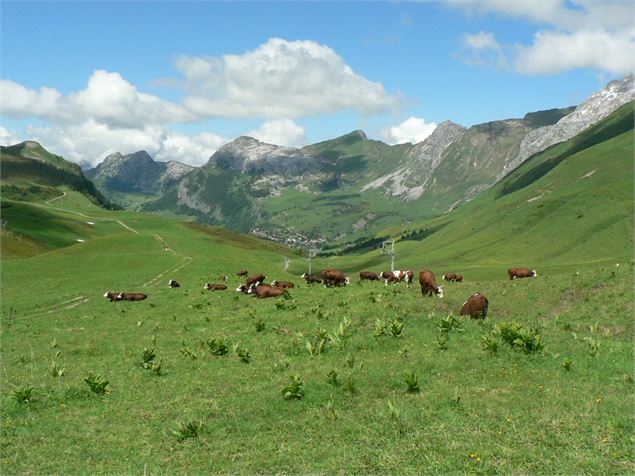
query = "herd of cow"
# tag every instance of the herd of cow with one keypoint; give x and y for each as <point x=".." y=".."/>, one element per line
<point x="475" y="306"/>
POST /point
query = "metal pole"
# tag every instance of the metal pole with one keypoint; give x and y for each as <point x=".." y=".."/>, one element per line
<point x="391" y="252"/>
<point x="286" y="263"/>
<point x="312" y="253"/>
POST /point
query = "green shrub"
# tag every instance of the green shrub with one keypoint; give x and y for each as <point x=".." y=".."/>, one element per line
<point x="333" y="379"/>
<point x="517" y="336"/>
<point x="56" y="371"/>
<point x="147" y="357"/>
<point x="243" y="354"/>
<point x="259" y="324"/>
<point x="412" y="382"/>
<point x="23" y="395"/>
<point x="295" y="389"/>
<point x="96" y="384"/>
<point x="191" y="429"/>
<point x="395" y="327"/>
<point x="446" y="324"/>
<point x="380" y="328"/>
<point x="216" y="346"/>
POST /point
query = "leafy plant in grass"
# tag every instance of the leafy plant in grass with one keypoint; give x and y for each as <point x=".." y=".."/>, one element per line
<point x="412" y="382"/>
<point x="216" y="346"/>
<point x="96" y="384"/>
<point x="341" y="333"/>
<point x="566" y="364"/>
<point x="157" y="367"/>
<point x="295" y="389"/>
<point x="24" y="395"/>
<point x="395" y="327"/>
<point x="446" y="324"/>
<point x="281" y="365"/>
<point x="315" y="346"/>
<point x="333" y="379"/>
<point x="517" y="336"/>
<point x="490" y="344"/>
<point x="187" y="352"/>
<point x="380" y="328"/>
<point x="259" y="325"/>
<point x="243" y="354"/>
<point x="349" y="385"/>
<point x="147" y="357"/>
<point x="594" y="346"/>
<point x="56" y="371"/>
<point x="442" y="340"/>
<point x="191" y="429"/>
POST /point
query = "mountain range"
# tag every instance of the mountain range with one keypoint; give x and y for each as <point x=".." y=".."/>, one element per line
<point x="343" y="189"/>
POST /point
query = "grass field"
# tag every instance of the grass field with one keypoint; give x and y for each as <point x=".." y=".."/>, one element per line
<point x="517" y="407"/>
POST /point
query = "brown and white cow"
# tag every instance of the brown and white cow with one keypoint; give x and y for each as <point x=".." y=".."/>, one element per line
<point x="215" y="287"/>
<point x="311" y="278"/>
<point x="515" y="273"/>
<point x="475" y="306"/>
<point x="242" y="273"/>
<point x="282" y="284"/>
<point x="429" y="286"/>
<point x="223" y="277"/>
<point x="131" y="297"/>
<point x="173" y="284"/>
<point x="368" y="275"/>
<point x="457" y="278"/>
<point x="262" y="291"/>
<point x="396" y="276"/>
<point x="334" y="277"/>
<point x="113" y="296"/>
<point x="255" y="279"/>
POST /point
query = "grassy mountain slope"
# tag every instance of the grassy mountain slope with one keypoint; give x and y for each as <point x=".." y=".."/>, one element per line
<point x="31" y="172"/>
<point x="569" y="205"/>
<point x="510" y="412"/>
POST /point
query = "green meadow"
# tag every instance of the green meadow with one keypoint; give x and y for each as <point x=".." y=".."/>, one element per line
<point x="361" y="379"/>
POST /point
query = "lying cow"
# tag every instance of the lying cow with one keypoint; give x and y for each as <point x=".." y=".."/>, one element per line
<point x="457" y="278"/>
<point x="521" y="273"/>
<point x="311" y="278"/>
<point x="475" y="306"/>
<point x="131" y="297"/>
<point x="368" y="275"/>
<point x="255" y="279"/>
<point x="334" y="277"/>
<point x="242" y="273"/>
<point x="112" y="296"/>
<point x="282" y="284"/>
<point x="173" y="284"/>
<point x="223" y="277"/>
<point x="429" y="286"/>
<point x="396" y="276"/>
<point x="215" y="287"/>
<point x="262" y="291"/>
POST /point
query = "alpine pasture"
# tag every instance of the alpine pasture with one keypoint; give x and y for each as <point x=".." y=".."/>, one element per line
<point x="360" y="379"/>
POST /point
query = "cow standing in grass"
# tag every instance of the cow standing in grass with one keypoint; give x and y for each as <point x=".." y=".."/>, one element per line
<point x="311" y="278"/>
<point x="391" y="277"/>
<point x="368" y="276"/>
<point x="517" y="273"/>
<point x="334" y="277"/>
<point x="475" y="306"/>
<point x="428" y="283"/>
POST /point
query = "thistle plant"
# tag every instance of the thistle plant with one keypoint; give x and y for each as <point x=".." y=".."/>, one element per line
<point x="395" y="327"/>
<point x="243" y="354"/>
<point x="191" y="429"/>
<point x="412" y="382"/>
<point x="566" y="364"/>
<point x="333" y="379"/>
<point x="147" y="357"/>
<point x="295" y="389"/>
<point x="259" y="325"/>
<point x="442" y="340"/>
<point x="216" y="346"/>
<point x="380" y="328"/>
<point x="450" y="322"/>
<point x="23" y="395"/>
<point x="188" y="353"/>
<point x="56" y="371"/>
<point x="315" y="347"/>
<point x="96" y="384"/>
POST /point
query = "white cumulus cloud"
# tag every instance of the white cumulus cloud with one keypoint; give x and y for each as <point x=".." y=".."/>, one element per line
<point x="413" y="130"/>
<point x="283" y="132"/>
<point x="193" y="150"/>
<point x="8" y="137"/>
<point x="594" y="34"/>
<point x="280" y="79"/>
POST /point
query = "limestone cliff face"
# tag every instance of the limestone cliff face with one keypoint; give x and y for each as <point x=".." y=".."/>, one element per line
<point x="591" y="111"/>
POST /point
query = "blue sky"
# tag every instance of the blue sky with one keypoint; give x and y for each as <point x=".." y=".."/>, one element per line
<point x="162" y="79"/>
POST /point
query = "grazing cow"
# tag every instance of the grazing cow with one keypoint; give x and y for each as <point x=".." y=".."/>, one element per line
<point x="131" y="297"/>
<point x="282" y="284"/>
<point x="457" y="278"/>
<point x="334" y="277"/>
<point x="368" y="275"/>
<point x="262" y="291"/>
<point x="396" y="276"/>
<point x="215" y="287"/>
<point x="112" y="296"/>
<point x="311" y="278"/>
<point x="475" y="306"/>
<point x="242" y="273"/>
<point x="173" y="284"/>
<point x="429" y="285"/>
<point x="255" y="279"/>
<point x="521" y="273"/>
<point x="223" y="277"/>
